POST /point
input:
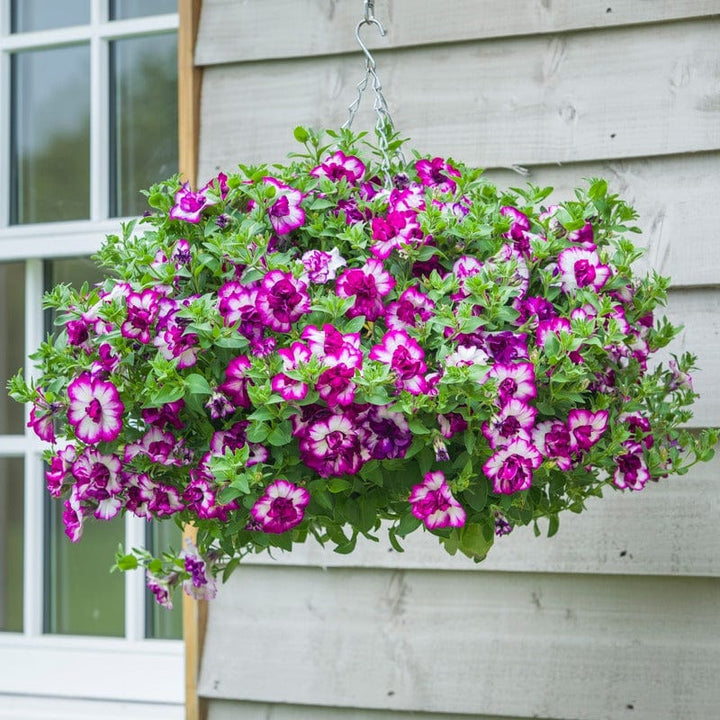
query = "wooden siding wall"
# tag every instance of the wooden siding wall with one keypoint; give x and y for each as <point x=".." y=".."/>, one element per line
<point x="618" y="615"/>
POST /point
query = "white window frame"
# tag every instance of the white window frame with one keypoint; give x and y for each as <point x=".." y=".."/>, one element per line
<point x="147" y="675"/>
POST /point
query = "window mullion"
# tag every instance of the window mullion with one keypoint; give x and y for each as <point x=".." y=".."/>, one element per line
<point x="5" y="105"/>
<point x="135" y="529"/>
<point x="34" y="484"/>
<point x="99" y="117"/>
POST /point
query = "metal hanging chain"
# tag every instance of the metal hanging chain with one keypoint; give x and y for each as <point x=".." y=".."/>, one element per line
<point x="384" y="126"/>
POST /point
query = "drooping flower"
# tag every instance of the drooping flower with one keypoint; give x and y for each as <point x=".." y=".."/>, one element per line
<point x="434" y="504"/>
<point x="160" y="588"/>
<point x="42" y="417"/>
<point x="58" y="473"/>
<point x="451" y="423"/>
<point x="285" y="212"/>
<point x="237" y="381"/>
<point x="95" y="409"/>
<point x="201" y="584"/>
<point x="340" y="167"/>
<point x="282" y="300"/>
<point x="580" y="268"/>
<point x="159" y="446"/>
<point x="586" y="428"/>
<point x="368" y="284"/>
<point x="510" y="468"/>
<point x="631" y="471"/>
<point x="281" y="508"/>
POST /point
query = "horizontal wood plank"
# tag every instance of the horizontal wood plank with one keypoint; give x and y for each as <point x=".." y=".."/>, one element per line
<point x="549" y="646"/>
<point x="234" y="710"/>
<point x="234" y="32"/>
<point x="627" y="92"/>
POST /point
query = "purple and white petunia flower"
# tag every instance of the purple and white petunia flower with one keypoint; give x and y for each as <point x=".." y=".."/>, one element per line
<point x="406" y="359"/>
<point x="167" y="414"/>
<point x="434" y="504"/>
<point x="341" y="167"/>
<point x="219" y="405"/>
<point x="188" y="204"/>
<point x="631" y="470"/>
<point x="331" y="346"/>
<point x="368" y="284"/>
<point x="510" y="468"/>
<point x="281" y="508"/>
<point x="639" y="425"/>
<point x="552" y="439"/>
<point x="553" y="326"/>
<point x="394" y="232"/>
<point x="95" y="410"/>
<point x="438" y="174"/>
<point x="42" y="417"/>
<point x="585" y="236"/>
<point x="411" y="309"/>
<point x="335" y="385"/>
<point x="285" y="212"/>
<point x="237" y="381"/>
<point x="293" y="357"/>
<point x="387" y="433"/>
<point x="586" y="428"/>
<point x="160" y="590"/>
<point x="506" y="346"/>
<point x="467" y="356"/>
<point x="580" y="268"/>
<point x="142" y="311"/>
<point x="519" y="231"/>
<point x="201" y="584"/>
<point x="335" y="445"/>
<point x="514" y="381"/>
<point x="515" y="419"/>
<point x="320" y="267"/>
<point x="58" y="474"/>
<point x="282" y="300"/>
<point x="451" y="423"/>
<point x="159" y="446"/>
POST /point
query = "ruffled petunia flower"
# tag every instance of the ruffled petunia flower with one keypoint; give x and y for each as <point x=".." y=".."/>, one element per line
<point x="438" y="174"/>
<point x="515" y="419"/>
<point x="411" y="309"/>
<point x="334" y="445"/>
<point x="282" y="300"/>
<point x="514" y="381"/>
<point x="387" y="434"/>
<point x="406" y="359"/>
<point x="552" y="439"/>
<point x="281" y="508"/>
<point x="368" y="284"/>
<point x="285" y="212"/>
<point x="586" y="428"/>
<point x="188" y="204"/>
<point x="510" y="468"/>
<point x="341" y="167"/>
<point x="581" y="268"/>
<point x="631" y="471"/>
<point x="95" y="410"/>
<point x="237" y="380"/>
<point x="394" y="232"/>
<point x="434" y="504"/>
<point x="321" y="267"/>
<point x="289" y="388"/>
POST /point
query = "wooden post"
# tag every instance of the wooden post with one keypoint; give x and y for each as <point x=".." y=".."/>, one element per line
<point x="189" y="85"/>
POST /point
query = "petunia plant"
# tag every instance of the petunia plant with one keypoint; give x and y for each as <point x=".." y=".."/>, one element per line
<point x="328" y="349"/>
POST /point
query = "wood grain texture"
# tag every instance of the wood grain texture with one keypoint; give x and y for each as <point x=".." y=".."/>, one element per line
<point x="549" y="646"/>
<point x="189" y="84"/>
<point x="234" y="31"/>
<point x="234" y="710"/>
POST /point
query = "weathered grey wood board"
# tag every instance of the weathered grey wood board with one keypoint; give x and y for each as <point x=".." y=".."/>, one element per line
<point x="670" y="528"/>
<point x="233" y="31"/>
<point x="233" y="710"/>
<point x="575" y="647"/>
<point x="618" y="93"/>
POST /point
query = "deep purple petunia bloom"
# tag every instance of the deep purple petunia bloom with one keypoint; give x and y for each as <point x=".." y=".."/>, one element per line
<point x="285" y="212"/>
<point x="369" y="284"/>
<point x="387" y="433"/>
<point x="142" y="311"/>
<point x="201" y="584"/>
<point x="631" y="470"/>
<point x="282" y="300"/>
<point x="434" y="504"/>
<point x="95" y="409"/>
<point x="281" y="508"/>
<point x="437" y="173"/>
<point x="188" y="204"/>
<point x="510" y="468"/>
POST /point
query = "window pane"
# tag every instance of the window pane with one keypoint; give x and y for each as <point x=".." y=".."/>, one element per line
<point x="12" y="341"/>
<point x="29" y="15"/>
<point x="122" y="9"/>
<point x="161" y="623"/>
<point x="143" y="118"/>
<point x="11" y="544"/>
<point x="50" y="153"/>
<point x="82" y="596"/>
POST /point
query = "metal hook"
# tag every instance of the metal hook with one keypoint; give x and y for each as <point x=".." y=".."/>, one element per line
<point x="370" y="11"/>
<point x="368" y="21"/>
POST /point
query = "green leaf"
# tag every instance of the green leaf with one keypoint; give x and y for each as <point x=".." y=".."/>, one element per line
<point x="127" y="562"/>
<point x="280" y="435"/>
<point x="301" y="134"/>
<point x="338" y="485"/>
<point x="257" y="432"/>
<point x="476" y="495"/>
<point x="473" y="542"/>
<point x="197" y="384"/>
<point x="408" y="523"/>
<point x="554" y="525"/>
<point x="228" y="494"/>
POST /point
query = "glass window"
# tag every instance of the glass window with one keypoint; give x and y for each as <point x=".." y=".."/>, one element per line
<point x="12" y="340"/>
<point x="122" y="9"/>
<point x="161" y="623"/>
<point x="30" y="15"/>
<point x="50" y="143"/>
<point x="143" y="126"/>
<point x="11" y="544"/>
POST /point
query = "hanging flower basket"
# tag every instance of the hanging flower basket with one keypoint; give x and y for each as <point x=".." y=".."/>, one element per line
<point x="309" y="350"/>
